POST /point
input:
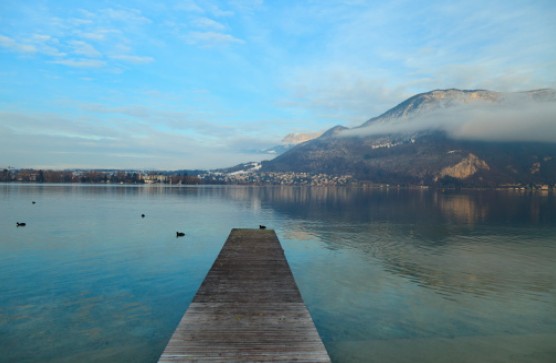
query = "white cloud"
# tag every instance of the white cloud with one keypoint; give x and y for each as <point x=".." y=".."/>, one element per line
<point x="189" y="6"/>
<point x="528" y="122"/>
<point x="309" y="63"/>
<point x="379" y="53"/>
<point x="203" y="7"/>
<point x="47" y="44"/>
<point x="38" y="139"/>
<point x="83" y="38"/>
<point x="207" y="23"/>
<point x="42" y="38"/>
<point x="99" y="34"/>
<point x="349" y="95"/>
<point x="211" y="39"/>
<point x="216" y="10"/>
<point x="247" y="6"/>
<point x="140" y="112"/>
<point x="133" y="58"/>
<point x="84" y="49"/>
<point x="26" y="123"/>
<point x="16" y="46"/>
<point x="178" y="121"/>
<point x="81" y="63"/>
<point x="129" y="16"/>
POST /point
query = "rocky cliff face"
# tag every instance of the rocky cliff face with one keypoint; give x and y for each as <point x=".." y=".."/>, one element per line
<point x="428" y="156"/>
<point x="466" y="168"/>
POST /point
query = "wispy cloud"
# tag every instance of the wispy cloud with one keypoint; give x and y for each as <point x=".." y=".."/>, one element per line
<point x="81" y="63"/>
<point x="116" y="143"/>
<point x="13" y="45"/>
<point x="182" y="122"/>
<point x="266" y="68"/>
<point x="246" y="6"/>
<point x="99" y="34"/>
<point x="189" y="6"/>
<point x="208" y="7"/>
<point x="206" y="23"/>
<point x="133" y="58"/>
<point x="26" y="124"/>
<point x="382" y="52"/>
<point x="86" y="40"/>
<point x="342" y="94"/>
<point x="210" y="39"/>
<point x="216" y="10"/>
<point x="127" y="16"/>
<point x="84" y="49"/>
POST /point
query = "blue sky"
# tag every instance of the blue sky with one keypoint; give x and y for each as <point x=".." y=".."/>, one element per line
<point x="205" y="84"/>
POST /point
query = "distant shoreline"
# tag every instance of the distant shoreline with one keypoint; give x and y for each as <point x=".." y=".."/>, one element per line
<point x="241" y="177"/>
<point x="360" y="185"/>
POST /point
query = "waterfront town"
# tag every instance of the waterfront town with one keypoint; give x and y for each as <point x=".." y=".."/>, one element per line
<point x="171" y="177"/>
<point x="251" y="176"/>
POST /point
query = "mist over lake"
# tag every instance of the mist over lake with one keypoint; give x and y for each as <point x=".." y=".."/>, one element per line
<point x="387" y="274"/>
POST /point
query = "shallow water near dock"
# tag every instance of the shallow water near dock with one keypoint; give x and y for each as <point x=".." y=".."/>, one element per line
<point x="388" y="275"/>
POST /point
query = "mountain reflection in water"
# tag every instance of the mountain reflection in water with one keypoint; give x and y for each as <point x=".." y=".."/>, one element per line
<point x="388" y="274"/>
<point x="486" y="257"/>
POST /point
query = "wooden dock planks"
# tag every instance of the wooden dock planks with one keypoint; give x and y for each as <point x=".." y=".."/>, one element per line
<point x="248" y="309"/>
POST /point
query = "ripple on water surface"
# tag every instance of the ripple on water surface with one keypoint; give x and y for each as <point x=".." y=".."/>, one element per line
<point x="393" y="276"/>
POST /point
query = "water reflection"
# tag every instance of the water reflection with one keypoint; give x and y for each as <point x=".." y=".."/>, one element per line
<point x="441" y="240"/>
<point x="346" y="204"/>
<point x="453" y="243"/>
<point x="393" y="274"/>
<point x="486" y="256"/>
<point x="408" y="206"/>
<point x="461" y="208"/>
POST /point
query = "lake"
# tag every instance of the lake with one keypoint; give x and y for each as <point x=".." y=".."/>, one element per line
<point x="388" y="275"/>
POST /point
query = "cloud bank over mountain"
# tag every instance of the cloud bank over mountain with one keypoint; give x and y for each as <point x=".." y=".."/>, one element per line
<point x="450" y="137"/>
<point x="177" y="83"/>
<point x="522" y="121"/>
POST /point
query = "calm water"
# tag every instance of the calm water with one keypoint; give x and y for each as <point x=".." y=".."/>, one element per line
<point x="397" y="276"/>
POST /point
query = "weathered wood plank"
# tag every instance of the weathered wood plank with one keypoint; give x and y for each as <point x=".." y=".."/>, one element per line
<point x="248" y="309"/>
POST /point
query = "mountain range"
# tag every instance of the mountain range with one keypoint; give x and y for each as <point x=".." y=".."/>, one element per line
<point x="444" y="137"/>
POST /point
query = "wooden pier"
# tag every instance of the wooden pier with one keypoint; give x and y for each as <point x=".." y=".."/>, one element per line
<point x="248" y="309"/>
